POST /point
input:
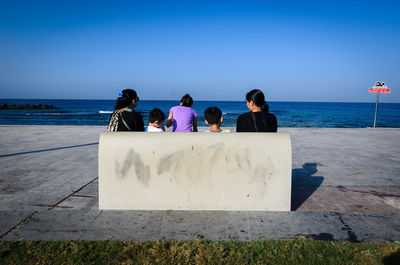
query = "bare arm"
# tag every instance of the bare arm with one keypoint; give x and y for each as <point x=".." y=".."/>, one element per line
<point x="169" y="120"/>
<point x="195" y="124"/>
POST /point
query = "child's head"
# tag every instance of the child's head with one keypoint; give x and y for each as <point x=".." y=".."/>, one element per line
<point x="156" y="117"/>
<point x="213" y="116"/>
<point x="187" y="101"/>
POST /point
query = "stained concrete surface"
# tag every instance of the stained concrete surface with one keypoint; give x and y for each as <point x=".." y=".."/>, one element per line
<point x="346" y="186"/>
<point x="195" y="171"/>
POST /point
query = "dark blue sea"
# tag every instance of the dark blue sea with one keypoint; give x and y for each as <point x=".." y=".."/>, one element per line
<point x="289" y="114"/>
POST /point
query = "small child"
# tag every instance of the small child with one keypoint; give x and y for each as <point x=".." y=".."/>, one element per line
<point x="214" y="119"/>
<point x="156" y="119"/>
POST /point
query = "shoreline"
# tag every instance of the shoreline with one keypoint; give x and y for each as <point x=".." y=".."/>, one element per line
<point x="202" y="127"/>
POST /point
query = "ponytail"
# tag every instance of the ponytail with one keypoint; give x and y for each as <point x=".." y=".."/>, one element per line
<point x="187" y="101"/>
<point x="265" y="108"/>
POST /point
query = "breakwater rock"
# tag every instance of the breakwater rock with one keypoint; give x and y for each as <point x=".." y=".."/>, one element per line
<point x="26" y="106"/>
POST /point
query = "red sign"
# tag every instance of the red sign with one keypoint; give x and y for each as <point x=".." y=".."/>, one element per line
<point x="379" y="90"/>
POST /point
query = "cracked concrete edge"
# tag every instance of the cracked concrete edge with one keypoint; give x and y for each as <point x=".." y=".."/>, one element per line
<point x="10" y="220"/>
<point x="76" y="191"/>
<point x="220" y="226"/>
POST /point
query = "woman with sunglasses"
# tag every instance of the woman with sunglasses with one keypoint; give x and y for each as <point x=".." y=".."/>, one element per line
<point x="258" y="119"/>
<point x="124" y="117"/>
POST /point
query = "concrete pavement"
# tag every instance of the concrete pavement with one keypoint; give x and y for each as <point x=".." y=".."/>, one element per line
<point x="346" y="186"/>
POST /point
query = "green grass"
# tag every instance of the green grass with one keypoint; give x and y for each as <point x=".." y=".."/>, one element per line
<point x="301" y="251"/>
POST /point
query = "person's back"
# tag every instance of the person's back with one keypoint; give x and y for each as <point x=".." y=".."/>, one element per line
<point x="256" y="122"/>
<point x="258" y="119"/>
<point x="131" y="121"/>
<point x="124" y="117"/>
<point x="183" y="117"/>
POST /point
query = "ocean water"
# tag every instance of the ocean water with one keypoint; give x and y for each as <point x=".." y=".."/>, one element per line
<point x="289" y="114"/>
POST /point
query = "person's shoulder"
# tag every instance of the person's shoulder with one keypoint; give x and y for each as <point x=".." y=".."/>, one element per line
<point x="244" y="115"/>
<point x="271" y="116"/>
<point x="153" y="129"/>
<point x="133" y="113"/>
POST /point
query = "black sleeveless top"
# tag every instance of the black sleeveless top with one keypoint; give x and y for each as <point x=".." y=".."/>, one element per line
<point x="133" y="119"/>
<point x="264" y="122"/>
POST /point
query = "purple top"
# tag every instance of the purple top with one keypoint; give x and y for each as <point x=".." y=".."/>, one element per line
<point x="183" y="118"/>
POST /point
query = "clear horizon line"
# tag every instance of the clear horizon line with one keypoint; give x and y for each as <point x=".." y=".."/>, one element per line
<point x="305" y="101"/>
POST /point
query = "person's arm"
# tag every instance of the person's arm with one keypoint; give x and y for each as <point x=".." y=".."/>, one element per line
<point x="140" y="123"/>
<point x="244" y="124"/>
<point x="170" y="120"/>
<point x="195" y="124"/>
<point x="239" y="124"/>
<point x="275" y="124"/>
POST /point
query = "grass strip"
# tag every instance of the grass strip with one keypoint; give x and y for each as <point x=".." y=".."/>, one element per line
<point x="300" y="251"/>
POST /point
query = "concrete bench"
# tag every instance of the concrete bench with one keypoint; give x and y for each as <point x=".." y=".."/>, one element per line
<point x="195" y="171"/>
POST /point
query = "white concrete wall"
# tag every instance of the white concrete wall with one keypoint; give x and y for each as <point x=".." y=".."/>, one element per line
<point x="195" y="171"/>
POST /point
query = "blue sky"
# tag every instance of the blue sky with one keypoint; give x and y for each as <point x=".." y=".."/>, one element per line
<point x="214" y="50"/>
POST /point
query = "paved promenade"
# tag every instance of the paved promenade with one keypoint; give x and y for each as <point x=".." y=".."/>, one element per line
<point x="346" y="186"/>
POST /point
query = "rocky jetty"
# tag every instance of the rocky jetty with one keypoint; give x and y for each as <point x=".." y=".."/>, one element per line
<point x="26" y="106"/>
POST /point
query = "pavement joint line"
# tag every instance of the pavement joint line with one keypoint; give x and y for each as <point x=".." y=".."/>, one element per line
<point x="233" y="225"/>
<point x="101" y="211"/>
<point x="352" y="237"/>
<point x="56" y="205"/>
<point x="48" y="206"/>
<point x="83" y="196"/>
<point x="353" y="186"/>
<point x="162" y="224"/>
<point x="248" y="226"/>
<point x="373" y="192"/>
<point x="17" y="225"/>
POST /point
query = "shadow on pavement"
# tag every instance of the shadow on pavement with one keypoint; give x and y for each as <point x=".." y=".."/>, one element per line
<point x="304" y="183"/>
<point x="46" y="150"/>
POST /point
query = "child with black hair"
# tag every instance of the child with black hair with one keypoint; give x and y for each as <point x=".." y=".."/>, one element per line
<point x="214" y="119"/>
<point x="156" y="120"/>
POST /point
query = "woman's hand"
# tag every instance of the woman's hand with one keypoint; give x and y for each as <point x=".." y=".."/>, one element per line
<point x="170" y="120"/>
<point x="195" y="124"/>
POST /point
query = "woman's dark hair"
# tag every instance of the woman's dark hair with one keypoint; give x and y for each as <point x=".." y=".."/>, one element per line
<point x="125" y="98"/>
<point x="156" y="115"/>
<point x="257" y="96"/>
<point x="187" y="100"/>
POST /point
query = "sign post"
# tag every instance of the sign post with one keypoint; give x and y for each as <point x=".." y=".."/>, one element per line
<point x="379" y="87"/>
<point x="376" y="108"/>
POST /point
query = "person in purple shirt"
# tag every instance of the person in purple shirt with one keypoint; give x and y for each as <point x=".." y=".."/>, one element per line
<point x="183" y="117"/>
